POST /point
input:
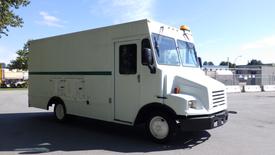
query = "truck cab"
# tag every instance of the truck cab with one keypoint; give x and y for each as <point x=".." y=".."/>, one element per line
<point x="197" y="101"/>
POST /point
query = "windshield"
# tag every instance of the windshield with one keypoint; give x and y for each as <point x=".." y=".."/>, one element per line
<point x="187" y="54"/>
<point x="166" y="50"/>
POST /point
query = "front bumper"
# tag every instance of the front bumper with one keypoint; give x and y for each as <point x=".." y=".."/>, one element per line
<point x="204" y="122"/>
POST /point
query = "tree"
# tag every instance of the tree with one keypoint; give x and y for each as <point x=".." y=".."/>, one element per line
<point x="255" y="62"/>
<point x="225" y="63"/>
<point x="21" y="61"/>
<point x="209" y="63"/>
<point x="7" y="16"/>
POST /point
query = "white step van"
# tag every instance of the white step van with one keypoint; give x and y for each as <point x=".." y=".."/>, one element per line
<point x="131" y="73"/>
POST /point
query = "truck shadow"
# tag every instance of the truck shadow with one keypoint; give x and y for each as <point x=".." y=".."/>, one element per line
<point x="31" y="133"/>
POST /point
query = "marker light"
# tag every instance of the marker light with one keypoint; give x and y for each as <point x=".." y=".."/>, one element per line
<point x="184" y="28"/>
<point x="177" y="90"/>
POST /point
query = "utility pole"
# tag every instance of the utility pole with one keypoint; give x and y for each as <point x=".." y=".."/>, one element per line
<point x="228" y="62"/>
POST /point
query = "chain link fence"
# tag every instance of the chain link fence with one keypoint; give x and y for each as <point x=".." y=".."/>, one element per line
<point x="262" y="75"/>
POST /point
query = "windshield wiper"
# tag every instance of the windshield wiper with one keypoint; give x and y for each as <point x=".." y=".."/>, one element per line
<point x="192" y="51"/>
<point x="156" y="44"/>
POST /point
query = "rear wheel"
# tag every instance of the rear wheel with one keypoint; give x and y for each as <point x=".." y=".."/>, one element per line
<point x="160" y="127"/>
<point x="60" y="112"/>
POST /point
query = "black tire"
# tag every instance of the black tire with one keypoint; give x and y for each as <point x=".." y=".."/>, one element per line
<point x="60" y="112"/>
<point x="12" y="85"/>
<point x="161" y="127"/>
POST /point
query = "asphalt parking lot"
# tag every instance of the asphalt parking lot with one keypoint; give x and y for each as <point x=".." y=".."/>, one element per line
<point x="250" y="130"/>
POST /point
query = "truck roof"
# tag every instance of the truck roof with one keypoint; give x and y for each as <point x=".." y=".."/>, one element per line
<point x="154" y="25"/>
<point x="93" y="29"/>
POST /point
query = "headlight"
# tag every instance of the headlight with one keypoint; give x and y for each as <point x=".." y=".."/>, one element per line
<point x="193" y="104"/>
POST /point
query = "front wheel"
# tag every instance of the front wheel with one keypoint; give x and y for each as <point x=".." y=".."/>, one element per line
<point x="60" y="112"/>
<point x="160" y="127"/>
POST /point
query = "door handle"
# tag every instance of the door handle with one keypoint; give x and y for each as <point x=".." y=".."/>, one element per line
<point x="138" y="78"/>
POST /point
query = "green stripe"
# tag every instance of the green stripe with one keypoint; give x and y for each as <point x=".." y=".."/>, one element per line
<point x="71" y="73"/>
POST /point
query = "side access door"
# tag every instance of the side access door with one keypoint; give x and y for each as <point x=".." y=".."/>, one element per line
<point x="127" y="80"/>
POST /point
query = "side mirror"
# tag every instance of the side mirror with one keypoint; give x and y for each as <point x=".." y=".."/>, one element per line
<point x="147" y="56"/>
<point x="200" y="62"/>
<point x="147" y="59"/>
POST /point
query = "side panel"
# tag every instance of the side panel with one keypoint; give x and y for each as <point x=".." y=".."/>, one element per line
<point x="40" y="91"/>
<point x="99" y="92"/>
<point x="84" y="95"/>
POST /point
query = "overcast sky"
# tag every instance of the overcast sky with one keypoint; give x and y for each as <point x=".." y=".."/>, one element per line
<point x="239" y="29"/>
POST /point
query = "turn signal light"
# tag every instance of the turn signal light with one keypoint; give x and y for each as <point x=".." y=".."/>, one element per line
<point x="177" y="90"/>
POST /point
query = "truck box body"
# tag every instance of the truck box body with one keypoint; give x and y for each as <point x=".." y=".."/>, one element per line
<point x="100" y="74"/>
<point x="83" y="64"/>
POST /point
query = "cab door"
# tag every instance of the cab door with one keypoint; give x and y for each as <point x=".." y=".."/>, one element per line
<point x="127" y="80"/>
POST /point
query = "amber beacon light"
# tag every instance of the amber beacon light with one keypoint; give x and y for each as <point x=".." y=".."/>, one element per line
<point x="184" y="28"/>
<point x="177" y="90"/>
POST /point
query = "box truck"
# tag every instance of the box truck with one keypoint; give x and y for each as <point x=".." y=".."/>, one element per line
<point x="141" y="72"/>
<point x="13" y="78"/>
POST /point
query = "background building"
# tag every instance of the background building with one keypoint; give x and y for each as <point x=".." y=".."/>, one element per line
<point x="242" y="74"/>
<point x="2" y="65"/>
<point x="256" y="74"/>
<point x="220" y="73"/>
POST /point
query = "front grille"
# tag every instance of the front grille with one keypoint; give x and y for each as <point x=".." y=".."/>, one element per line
<point x="218" y="98"/>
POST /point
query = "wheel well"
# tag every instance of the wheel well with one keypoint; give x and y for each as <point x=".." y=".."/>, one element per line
<point x="54" y="100"/>
<point x="145" y="111"/>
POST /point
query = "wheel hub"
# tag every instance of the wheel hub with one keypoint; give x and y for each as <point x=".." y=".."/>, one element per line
<point x="159" y="127"/>
<point x="60" y="112"/>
